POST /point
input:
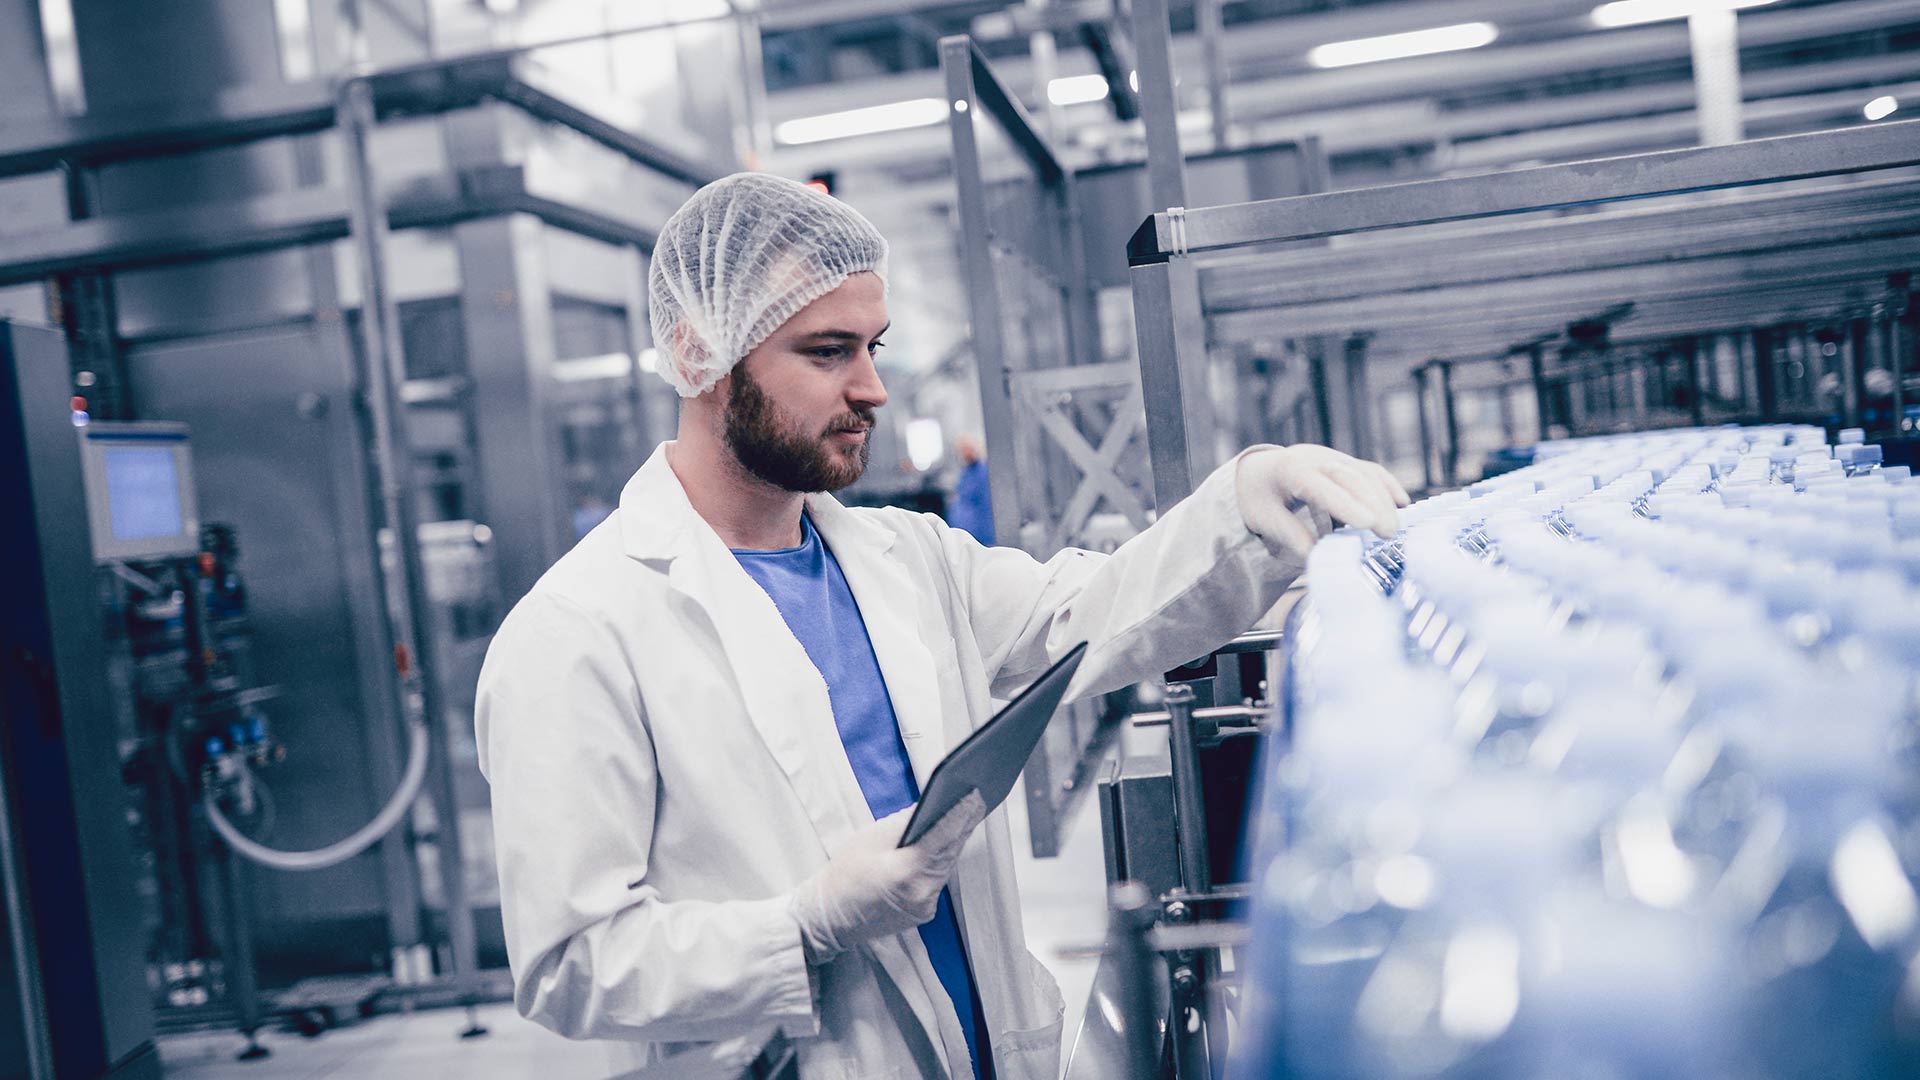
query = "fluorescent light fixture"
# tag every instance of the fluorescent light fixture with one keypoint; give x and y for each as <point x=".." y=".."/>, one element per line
<point x="294" y="23"/>
<point x="63" y="56"/>
<point x="872" y="120"/>
<point x="1077" y="89"/>
<point x="605" y="366"/>
<point x="1440" y="39"/>
<point x="1881" y="107"/>
<point x="1635" y="12"/>
<point x="650" y="359"/>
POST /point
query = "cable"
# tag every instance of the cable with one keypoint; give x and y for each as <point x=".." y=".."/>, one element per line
<point x="340" y="851"/>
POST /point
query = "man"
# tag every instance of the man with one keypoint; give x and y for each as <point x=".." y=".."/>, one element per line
<point x="705" y="724"/>
<point x="971" y="508"/>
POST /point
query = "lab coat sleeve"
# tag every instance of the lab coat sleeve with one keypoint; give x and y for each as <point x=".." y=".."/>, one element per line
<point x="596" y="951"/>
<point x="1184" y="586"/>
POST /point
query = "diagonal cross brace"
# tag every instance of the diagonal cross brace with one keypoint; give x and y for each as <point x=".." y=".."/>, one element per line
<point x="1097" y="466"/>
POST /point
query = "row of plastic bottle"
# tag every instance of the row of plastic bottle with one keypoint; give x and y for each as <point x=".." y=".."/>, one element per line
<point x="1603" y="768"/>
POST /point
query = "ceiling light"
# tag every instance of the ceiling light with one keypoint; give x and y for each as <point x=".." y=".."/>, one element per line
<point x="1881" y="107"/>
<point x="918" y="112"/>
<point x="605" y="366"/>
<point x="1077" y="89"/>
<point x="1440" y="39"/>
<point x="1634" y="12"/>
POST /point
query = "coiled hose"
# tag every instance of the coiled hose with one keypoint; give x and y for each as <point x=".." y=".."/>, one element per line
<point x="342" y="850"/>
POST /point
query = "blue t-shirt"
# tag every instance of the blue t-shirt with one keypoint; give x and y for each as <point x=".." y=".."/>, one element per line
<point x="807" y="586"/>
<point x="972" y="505"/>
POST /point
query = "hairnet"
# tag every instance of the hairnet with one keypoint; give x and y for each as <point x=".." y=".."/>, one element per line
<point x="743" y="256"/>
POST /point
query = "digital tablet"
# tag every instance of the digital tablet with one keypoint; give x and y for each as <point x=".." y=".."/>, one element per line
<point x="990" y="759"/>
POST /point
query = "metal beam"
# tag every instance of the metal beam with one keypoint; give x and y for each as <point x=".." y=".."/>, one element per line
<point x="252" y="113"/>
<point x="1427" y="202"/>
<point x="289" y="219"/>
<point x="1506" y="249"/>
<point x="1730" y="275"/>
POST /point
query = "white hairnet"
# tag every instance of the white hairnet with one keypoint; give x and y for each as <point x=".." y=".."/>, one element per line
<point x="743" y="256"/>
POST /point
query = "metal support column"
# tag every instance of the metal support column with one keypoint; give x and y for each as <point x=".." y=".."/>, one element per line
<point x="1159" y="108"/>
<point x="1045" y="66"/>
<point x="1173" y="376"/>
<point x="1451" y="462"/>
<point x="1426" y="426"/>
<point x="507" y="314"/>
<point x="386" y="743"/>
<point x="983" y="300"/>
<point x="1847" y="354"/>
<point x="1899" y="344"/>
<point x="1207" y="14"/>
<point x="1537" y="368"/>
<point x="1189" y="1034"/>
<point x="1696" y="382"/>
<point x="383" y="374"/>
<point x="1763" y="373"/>
<point x="1359" y="401"/>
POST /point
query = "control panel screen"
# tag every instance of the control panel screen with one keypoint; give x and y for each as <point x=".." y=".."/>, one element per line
<point x="143" y="492"/>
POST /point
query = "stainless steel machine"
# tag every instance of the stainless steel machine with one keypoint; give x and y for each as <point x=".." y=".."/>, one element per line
<point x="74" y="1002"/>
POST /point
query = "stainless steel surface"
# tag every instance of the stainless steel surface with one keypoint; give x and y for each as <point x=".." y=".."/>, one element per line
<point x="1234" y="716"/>
<point x="383" y="373"/>
<point x="1120" y="1030"/>
<point x="1171" y="336"/>
<point x="510" y="361"/>
<point x="74" y="857"/>
<point x="26" y="1048"/>
<point x="25" y="1040"/>
<point x="1136" y="812"/>
<point x="1828" y="153"/>
<point x="1113" y="198"/>
<point x="370" y="660"/>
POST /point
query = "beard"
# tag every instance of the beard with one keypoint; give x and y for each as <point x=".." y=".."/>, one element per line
<point x="773" y="447"/>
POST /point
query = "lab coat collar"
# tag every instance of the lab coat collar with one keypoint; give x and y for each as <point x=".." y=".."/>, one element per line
<point x="784" y="692"/>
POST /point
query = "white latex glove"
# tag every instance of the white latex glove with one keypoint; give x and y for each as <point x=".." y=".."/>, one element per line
<point x="873" y="889"/>
<point x="1286" y="491"/>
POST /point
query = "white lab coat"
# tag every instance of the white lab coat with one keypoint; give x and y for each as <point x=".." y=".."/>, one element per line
<point x="665" y="767"/>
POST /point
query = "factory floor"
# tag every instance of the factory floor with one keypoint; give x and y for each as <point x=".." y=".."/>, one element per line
<point x="1065" y="910"/>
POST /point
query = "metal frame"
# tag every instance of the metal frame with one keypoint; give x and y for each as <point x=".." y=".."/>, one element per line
<point x="1170" y="240"/>
<point x="973" y="88"/>
<point x="1024" y="410"/>
<point x="1549" y="187"/>
<point x="241" y="116"/>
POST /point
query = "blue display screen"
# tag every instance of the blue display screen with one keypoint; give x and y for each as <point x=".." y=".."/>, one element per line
<point x="143" y="492"/>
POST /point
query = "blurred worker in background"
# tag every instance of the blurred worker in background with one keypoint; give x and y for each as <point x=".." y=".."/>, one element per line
<point x="971" y="507"/>
<point x="704" y="727"/>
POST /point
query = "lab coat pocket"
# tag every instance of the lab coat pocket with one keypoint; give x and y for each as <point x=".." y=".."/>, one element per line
<point x="1034" y="1052"/>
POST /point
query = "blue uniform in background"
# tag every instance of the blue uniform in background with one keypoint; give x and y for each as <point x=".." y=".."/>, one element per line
<point x="972" y="505"/>
<point x="807" y="586"/>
